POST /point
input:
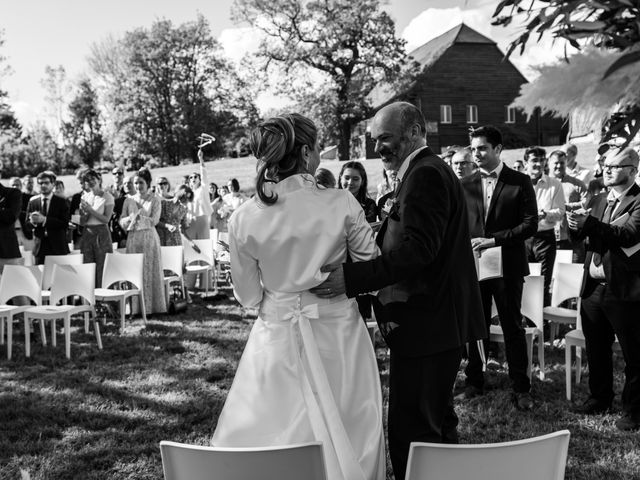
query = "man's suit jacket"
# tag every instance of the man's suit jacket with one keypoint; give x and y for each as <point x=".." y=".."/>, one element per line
<point x="622" y="273"/>
<point x="50" y="239"/>
<point x="426" y="268"/>
<point x="23" y="215"/>
<point x="10" y="205"/>
<point x="512" y="216"/>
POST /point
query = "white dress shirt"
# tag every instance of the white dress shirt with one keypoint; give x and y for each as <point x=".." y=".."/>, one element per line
<point x="489" y="185"/>
<point x="550" y="198"/>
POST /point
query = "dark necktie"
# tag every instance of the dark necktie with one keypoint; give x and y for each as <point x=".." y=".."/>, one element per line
<point x="45" y="200"/>
<point x="606" y="218"/>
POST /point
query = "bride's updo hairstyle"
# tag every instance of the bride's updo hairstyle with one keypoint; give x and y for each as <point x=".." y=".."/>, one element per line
<point x="277" y="144"/>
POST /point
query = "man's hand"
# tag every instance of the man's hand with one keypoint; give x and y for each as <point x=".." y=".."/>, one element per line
<point x="37" y="218"/>
<point x="542" y="215"/>
<point x="480" y="243"/>
<point x="577" y="218"/>
<point x="333" y="285"/>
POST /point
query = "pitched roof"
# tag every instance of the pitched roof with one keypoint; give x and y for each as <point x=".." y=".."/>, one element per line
<point x="427" y="54"/>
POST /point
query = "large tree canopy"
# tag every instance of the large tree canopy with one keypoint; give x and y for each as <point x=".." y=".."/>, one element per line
<point x="346" y="46"/>
<point x="602" y="79"/>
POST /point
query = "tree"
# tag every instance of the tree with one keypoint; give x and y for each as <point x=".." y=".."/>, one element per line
<point x="82" y="132"/>
<point x="349" y="46"/>
<point x="57" y="90"/>
<point x="164" y="86"/>
<point x="602" y="77"/>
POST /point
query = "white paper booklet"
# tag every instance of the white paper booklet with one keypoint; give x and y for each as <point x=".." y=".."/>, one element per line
<point x="489" y="265"/>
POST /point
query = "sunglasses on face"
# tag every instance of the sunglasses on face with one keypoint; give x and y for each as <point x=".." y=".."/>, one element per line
<point x="163" y="183"/>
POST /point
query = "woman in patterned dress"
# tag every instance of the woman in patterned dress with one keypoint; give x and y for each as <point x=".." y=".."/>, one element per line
<point x="140" y="215"/>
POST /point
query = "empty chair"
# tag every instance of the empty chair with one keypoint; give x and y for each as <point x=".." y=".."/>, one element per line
<point x="537" y="458"/>
<point x="535" y="268"/>
<point x="173" y="262"/>
<point x="49" y="262"/>
<point x="563" y="256"/>
<point x="567" y="281"/>
<point x="68" y="280"/>
<point x="29" y="259"/>
<point x="119" y="268"/>
<point x="292" y="462"/>
<point x="202" y="262"/>
<point x="19" y="281"/>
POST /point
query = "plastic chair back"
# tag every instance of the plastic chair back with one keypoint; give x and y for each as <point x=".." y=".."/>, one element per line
<point x="563" y="256"/>
<point x="173" y="259"/>
<point x="293" y="462"/>
<point x="27" y="255"/>
<point x="123" y="267"/>
<point x="51" y="260"/>
<point x="535" y="269"/>
<point x="567" y="280"/>
<point x="74" y="280"/>
<point x="533" y="299"/>
<point x="205" y="255"/>
<point x="19" y="280"/>
<point x="529" y="459"/>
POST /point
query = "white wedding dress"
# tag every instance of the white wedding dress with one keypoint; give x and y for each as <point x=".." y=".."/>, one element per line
<point x="308" y="371"/>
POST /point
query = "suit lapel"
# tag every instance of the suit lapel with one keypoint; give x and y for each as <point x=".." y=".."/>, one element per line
<point x="423" y="153"/>
<point x="626" y="201"/>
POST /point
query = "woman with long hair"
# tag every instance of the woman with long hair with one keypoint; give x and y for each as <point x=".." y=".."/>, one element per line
<point x="140" y="215"/>
<point x="200" y="208"/>
<point x="96" y="207"/>
<point x="308" y="371"/>
<point x="353" y="177"/>
<point x="173" y="221"/>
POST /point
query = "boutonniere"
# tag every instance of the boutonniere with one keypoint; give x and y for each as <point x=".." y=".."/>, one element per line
<point x="392" y="208"/>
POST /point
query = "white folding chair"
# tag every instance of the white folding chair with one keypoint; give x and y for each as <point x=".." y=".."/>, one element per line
<point x="49" y="262"/>
<point x="199" y="263"/>
<point x="291" y="462"/>
<point x="173" y="261"/>
<point x="543" y="457"/>
<point x="69" y="280"/>
<point x="535" y="268"/>
<point x="531" y="307"/>
<point x="119" y="268"/>
<point x="575" y="339"/>
<point x="19" y="281"/>
<point x="29" y="260"/>
<point x="562" y="256"/>
<point x="566" y="285"/>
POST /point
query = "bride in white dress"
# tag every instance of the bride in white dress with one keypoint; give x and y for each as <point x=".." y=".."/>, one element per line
<point x="308" y="371"/>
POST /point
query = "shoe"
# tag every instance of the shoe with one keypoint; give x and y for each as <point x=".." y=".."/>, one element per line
<point x="628" y="423"/>
<point x="592" y="406"/>
<point x="523" y="401"/>
<point x="469" y="392"/>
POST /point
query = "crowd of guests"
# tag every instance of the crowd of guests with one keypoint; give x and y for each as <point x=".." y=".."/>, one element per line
<point x="131" y="213"/>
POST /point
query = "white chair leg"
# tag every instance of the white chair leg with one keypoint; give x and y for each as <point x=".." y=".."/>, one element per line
<point x="2" y="330"/>
<point x="529" y="340"/>
<point x="578" y="364"/>
<point x="567" y="370"/>
<point x="27" y="337"/>
<point x="9" y="335"/>
<point x="54" y="340"/>
<point x="143" y="306"/>
<point x="43" y="334"/>
<point x="67" y="335"/>
<point x="96" y="330"/>
<point x="86" y="322"/>
<point x="541" y="353"/>
<point x="121" y="303"/>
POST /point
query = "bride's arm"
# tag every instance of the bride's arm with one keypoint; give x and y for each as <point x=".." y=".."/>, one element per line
<point x="360" y="239"/>
<point x="245" y="273"/>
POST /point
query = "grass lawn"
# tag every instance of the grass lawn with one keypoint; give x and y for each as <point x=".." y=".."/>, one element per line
<point x="102" y="414"/>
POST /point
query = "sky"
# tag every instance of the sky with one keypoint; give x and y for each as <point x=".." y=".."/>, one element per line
<point x="38" y="33"/>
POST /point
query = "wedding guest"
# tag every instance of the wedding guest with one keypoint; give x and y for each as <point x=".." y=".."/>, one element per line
<point x="118" y="181"/>
<point x="219" y="214"/>
<point x="325" y="178"/>
<point x="200" y="208"/>
<point x="462" y="163"/>
<point x="74" y="232"/>
<point x="10" y="205"/>
<point x="25" y="236"/>
<point x="140" y="215"/>
<point x="58" y="189"/>
<point x="163" y="188"/>
<point x="353" y="177"/>
<point x="518" y="165"/>
<point x="173" y="217"/>
<point x="573" y="168"/>
<point x="235" y="198"/>
<point x="96" y="208"/>
<point x="119" y="234"/>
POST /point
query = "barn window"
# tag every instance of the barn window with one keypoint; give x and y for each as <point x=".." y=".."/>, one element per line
<point x="445" y="113"/>
<point x="510" y="114"/>
<point x="472" y="114"/>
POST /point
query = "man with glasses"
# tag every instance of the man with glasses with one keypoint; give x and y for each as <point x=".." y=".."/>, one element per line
<point x="576" y="196"/>
<point x="611" y="286"/>
<point x="462" y="163"/>
<point x="118" y="182"/>
<point x="551" y="209"/>
<point x="48" y="218"/>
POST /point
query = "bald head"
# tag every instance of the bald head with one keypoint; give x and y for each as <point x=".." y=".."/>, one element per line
<point x="620" y="168"/>
<point x="397" y="130"/>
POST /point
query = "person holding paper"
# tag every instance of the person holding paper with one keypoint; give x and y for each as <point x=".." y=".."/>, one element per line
<point x="611" y="286"/>
<point x="502" y="210"/>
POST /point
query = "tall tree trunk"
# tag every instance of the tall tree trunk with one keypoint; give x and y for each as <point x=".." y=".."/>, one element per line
<point x="344" y="142"/>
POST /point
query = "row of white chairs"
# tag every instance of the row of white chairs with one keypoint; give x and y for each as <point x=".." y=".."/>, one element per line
<point x="542" y="457"/>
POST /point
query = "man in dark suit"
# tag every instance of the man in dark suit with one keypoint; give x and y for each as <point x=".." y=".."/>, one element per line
<point x="48" y="218"/>
<point x="611" y="286"/>
<point x="10" y="204"/>
<point x="502" y="209"/>
<point x="428" y="305"/>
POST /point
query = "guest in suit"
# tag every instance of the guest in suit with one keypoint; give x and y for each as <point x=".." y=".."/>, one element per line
<point x="10" y="205"/>
<point x="25" y="238"/>
<point x="425" y="268"/>
<point x="48" y="219"/>
<point x="502" y="212"/>
<point x="611" y="286"/>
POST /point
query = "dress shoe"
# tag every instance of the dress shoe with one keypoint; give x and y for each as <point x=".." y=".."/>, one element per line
<point x="628" y="422"/>
<point x="523" y="401"/>
<point x="469" y="392"/>
<point x="592" y="406"/>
